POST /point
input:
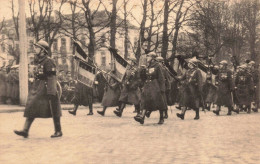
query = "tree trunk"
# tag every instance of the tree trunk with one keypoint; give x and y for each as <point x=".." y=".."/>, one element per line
<point x="142" y="28"/>
<point x="126" y="31"/>
<point x="165" y="37"/>
<point x="113" y="26"/>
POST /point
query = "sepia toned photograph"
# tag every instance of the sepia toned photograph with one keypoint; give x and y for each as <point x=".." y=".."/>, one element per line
<point x="129" y="81"/>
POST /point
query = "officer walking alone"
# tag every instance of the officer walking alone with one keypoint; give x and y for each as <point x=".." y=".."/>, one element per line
<point x="43" y="100"/>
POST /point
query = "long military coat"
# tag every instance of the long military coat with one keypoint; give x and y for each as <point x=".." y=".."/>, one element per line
<point x="112" y="93"/>
<point x="45" y="84"/>
<point x="209" y="90"/>
<point x="245" y="86"/>
<point x="225" y="84"/>
<point x="192" y="89"/>
<point x="83" y="95"/>
<point x="255" y="75"/>
<point x="154" y="87"/>
<point x="130" y="93"/>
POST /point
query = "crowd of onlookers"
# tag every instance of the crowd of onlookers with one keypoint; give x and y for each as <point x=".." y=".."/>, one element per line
<point x="9" y="85"/>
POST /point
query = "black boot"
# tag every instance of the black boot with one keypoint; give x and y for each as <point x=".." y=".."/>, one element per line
<point x="119" y="112"/>
<point x="140" y="118"/>
<point x="57" y="127"/>
<point x="217" y="110"/>
<point x="148" y="114"/>
<point x="25" y="131"/>
<point x="197" y="114"/>
<point x="166" y="114"/>
<point x="229" y="111"/>
<point x="182" y="114"/>
<point x="161" y="121"/>
<point x="249" y="109"/>
<point x="74" y="111"/>
<point x="90" y="110"/>
<point x="137" y="108"/>
<point x="102" y="113"/>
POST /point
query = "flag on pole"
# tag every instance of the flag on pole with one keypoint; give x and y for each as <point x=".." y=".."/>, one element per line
<point x="119" y="64"/>
<point x="86" y="73"/>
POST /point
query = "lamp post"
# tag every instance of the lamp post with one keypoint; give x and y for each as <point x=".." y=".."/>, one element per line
<point x="23" y="64"/>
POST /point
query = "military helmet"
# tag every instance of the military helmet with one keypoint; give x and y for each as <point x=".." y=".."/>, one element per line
<point x="159" y="59"/>
<point x="43" y="45"/>
<point x="152" y="54"/>
<point x="243" y="66"/>
<point x="251" y="63"/>
<point x="223" y="62"/>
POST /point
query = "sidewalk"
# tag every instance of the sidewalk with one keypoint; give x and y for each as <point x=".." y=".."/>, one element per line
<point x="4" y="108"/>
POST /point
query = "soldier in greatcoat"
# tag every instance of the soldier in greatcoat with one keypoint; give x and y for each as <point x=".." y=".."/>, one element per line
<point x="192" y="89"/>
<point x="244" y="88"/>
<point x="225" y="87"/>
<point x="111" y="94"/>
<point x="255" y="74"/>
<point x="83" y="95"/>
<point x="2" y="85"/>
<point x="209" y="91"/>
<point x="152" y="98"/>
<point x="43" y="100"/>
<point x="130" y="92"/>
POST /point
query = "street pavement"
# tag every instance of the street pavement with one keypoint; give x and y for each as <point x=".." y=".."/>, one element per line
<point x="109" y="139"/>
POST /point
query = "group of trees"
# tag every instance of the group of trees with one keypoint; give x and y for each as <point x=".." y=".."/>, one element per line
<point x="217" y="28"/>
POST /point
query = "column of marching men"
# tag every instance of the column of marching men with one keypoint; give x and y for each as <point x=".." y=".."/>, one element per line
<point x="148" y="85"/>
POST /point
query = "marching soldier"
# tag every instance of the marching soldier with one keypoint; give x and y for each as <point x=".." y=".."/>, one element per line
<point x="244" y="88"/>
<point x="43" y="100"/>
<point x="83" y="95"/>
<point x="209" y="91"/>
<point x="192" y="89"/>
<point x="225" y="84"/>
<point x="111" y="95"/>
<point x="130" y="93"/>
<point x="168" y="80"/>
<point x="255" y="74"/>
<point x="152" y="98"/>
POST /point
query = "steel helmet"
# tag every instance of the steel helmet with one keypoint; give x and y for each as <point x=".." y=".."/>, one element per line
<point x="159" y="59"/>
<point x="43" y="45"/>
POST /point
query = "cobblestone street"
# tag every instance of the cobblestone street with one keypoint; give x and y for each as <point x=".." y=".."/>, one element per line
<point x="109" y="139"/>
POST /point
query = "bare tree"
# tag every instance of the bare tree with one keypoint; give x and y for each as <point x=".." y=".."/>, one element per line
<point x="113" y="25"/>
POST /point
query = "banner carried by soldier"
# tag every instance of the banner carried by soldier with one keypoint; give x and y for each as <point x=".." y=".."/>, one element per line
<point x="119" y="65"/>
<point x="86" y="73"/>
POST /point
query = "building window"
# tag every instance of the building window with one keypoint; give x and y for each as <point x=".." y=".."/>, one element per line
<point x="55" y="45"/>
<point x="103" y="40"/>
<point x="63" y="42"/>
<point x="103" y="58"/>
<point x="31" y="47"/>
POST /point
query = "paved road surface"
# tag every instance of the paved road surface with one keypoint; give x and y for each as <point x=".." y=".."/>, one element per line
<point x="109" y="139"/>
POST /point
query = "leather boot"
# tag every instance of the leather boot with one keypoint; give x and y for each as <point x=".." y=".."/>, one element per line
<point x="25" y="131"/>
<point x="197" y="114"/>
<point x="229" y="111"/>
<point x="90" y="110"/>
<point x="140" y="118"/>
<point x="217" y="110"/>
<point x="249" y="109"/>
<point x="57" y="127"/>
<point x="119" y="112"/>
<point x="74" y="111"/>
<point x="148" y="114"/>
<point x="166" y="114"/>
<point x="161" y="121"/>
<point x="183" y="110"/>
<point x="102" y="113"/>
